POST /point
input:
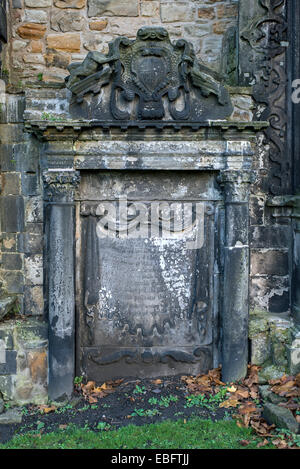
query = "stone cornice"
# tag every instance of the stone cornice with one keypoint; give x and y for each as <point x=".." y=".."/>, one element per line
<point x="70" y="129"/>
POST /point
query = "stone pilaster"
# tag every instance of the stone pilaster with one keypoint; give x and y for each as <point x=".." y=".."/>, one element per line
<point x="235" y="303"/>
<point x="59" y="188"/>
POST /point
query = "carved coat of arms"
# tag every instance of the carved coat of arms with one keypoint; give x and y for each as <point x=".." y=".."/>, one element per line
<point x="147" y="79"/>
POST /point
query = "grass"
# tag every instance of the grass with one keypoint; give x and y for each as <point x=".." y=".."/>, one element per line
<point x="192" y="434"/>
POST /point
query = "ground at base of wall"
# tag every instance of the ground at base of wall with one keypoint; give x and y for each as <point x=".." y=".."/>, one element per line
<point x="134" y="402"/>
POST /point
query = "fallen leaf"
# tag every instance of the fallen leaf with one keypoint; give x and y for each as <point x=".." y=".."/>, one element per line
<point x="62" y="427"/>
<point x="244" y="442"/>
<point x="46" y="409"/>
<point x="248" y="408"/>
<point x="157" y="381"/>
<point x="232" y="389"/>
<point x="263" y="443"/>
<point x="229" y="403"/>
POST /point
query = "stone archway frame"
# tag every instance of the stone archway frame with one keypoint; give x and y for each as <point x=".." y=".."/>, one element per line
<point x="226" y="149"/>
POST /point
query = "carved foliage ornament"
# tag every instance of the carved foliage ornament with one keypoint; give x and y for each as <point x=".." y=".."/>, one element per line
<point x="267" y="39"/>
<point x="147" y="79"/>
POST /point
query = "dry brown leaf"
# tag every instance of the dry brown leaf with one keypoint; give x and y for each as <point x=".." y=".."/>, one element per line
<point x="156" y="381"/>
<point x="229" y="403"/>
<point x="46" y="410"/>
<point x="263" y="443"/>
<point x="244" y="442"/>
<point x="297" y="380"/>
<point x="232" y="389"/>
<point x="280" y="444"/>
<point x="93" y="400"/>
<point x="248" y="408"/>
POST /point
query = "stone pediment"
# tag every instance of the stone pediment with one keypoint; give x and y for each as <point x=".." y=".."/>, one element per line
<point x="146" y="79"/>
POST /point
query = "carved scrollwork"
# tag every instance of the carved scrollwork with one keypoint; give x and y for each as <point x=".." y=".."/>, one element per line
<point x="150" y="79"/>
<point x="267" y="38"/>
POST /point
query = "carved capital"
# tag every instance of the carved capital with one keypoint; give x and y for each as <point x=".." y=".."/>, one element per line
<point x="61" y="184"/>
<point x="236" y="184"/>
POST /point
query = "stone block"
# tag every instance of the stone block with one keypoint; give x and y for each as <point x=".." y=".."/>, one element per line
<point x="281" y="417"/>
<point x="17" y="4"/>
<point x="34" y="269"/>
<point x="70" y="3"/>
<point x="269" y="262"/>
<point x="260" y="349"/>
<point x="98" y="25"/>
<point x="36" y="16"/>
<point x="12" y="214"/>
<point x="66" y="21"/>
<point x="9" y="366"/>
<point x="11" y="417"/>
<point x="38" y="3"/>
<point x="31" y="31"/>
<point x="150" y="8"/>
<point x="12" y="261"/>
<point x="34" y="210"/>
<point x="270" y="237"/>
<point x="34" y="300"/>
<point x="9" y="242"/>
<point x="14" y="281"/>
<point x="69" y="42"/>
<point x="30" y="184"/>
<point x="7" y="305"/>
<point x="32" y="243"/>
<point x="7" y="386"/>
<point x="171" y="12"/>
<point x="113" y="8"/>
<point x="270" y="293"/>
<point x="11" y="184"/>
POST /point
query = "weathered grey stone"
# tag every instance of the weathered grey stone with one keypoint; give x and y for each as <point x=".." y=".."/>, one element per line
<point x="9" y="367"/>
<point x="12" y="261"/>
<point x="270" y="372"/>
<point x="67" y="21"/>
<point x="171" y="12"/>
<point x="260" y="349"/>
<point x="7" y="387"/>
<point x="14" y="281"/>
<point x="38" y="3"/>
<point x="281" y="417"/>
<point x="6" y="306"/>
<point x="1" y="406"/>
<point x="36" y="16"/>
<point x="269" y="396"/>
<point x="113" y="7"/>
<point x="12" y="213"/>
<point x="269" y="262"/>
<point x="17" y="4"/>
<point x="294" y="354"/>
<point x="11" y="416"/>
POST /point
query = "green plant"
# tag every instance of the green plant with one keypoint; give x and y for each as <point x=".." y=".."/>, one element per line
<point x="103" y="426"/>
<point x="145" y="413"/>
<point x="153" y="400"/>
<point x="40" y="426"/>
<point x="165" y="401"/>
<point x="201" y="400"/>
<point x="139" y="390"/>
<point x="291" y="438"/>
<point x="40" y="77"/>
<point x="78" y="380"/>
<point x="51" y="117"/>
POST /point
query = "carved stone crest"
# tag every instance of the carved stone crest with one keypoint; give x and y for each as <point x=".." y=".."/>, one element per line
<point x="147" y="79"/>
